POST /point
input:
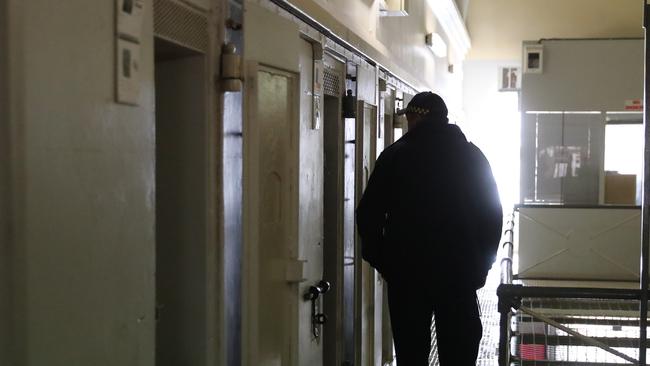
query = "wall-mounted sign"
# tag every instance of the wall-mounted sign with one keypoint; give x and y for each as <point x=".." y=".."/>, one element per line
<point x="128" y="73"/>
<point x="317" y="94"/>
<point x="509" y="79"/>
<point x="128" y="32"/>
<point x="634" y="105"/>
<point x="129" y="19"/>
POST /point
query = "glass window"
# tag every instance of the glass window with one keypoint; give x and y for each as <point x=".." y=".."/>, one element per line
<point x="623" y="161"/>
<point x="562" y="154"/>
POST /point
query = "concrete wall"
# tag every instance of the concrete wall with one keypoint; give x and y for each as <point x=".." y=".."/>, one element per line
<point x="395" y="42"/>
<point x="498" y="27"/>
<point x="5" y="194"/>
<point x="83" y="236"/>
<point x="181" y="225"/>
<point x="576" y="244"/>
<point x="585" y="75"/>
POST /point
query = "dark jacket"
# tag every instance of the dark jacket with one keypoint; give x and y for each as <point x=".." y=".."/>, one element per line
<point x="431" y="209"/>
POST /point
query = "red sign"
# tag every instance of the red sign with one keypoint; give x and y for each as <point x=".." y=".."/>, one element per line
<point x="633" y="105"/>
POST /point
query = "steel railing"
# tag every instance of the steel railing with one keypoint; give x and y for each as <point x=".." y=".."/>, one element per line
<point x="511" y="296"/>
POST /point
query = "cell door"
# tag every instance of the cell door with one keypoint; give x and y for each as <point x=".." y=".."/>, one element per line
<point x="271" y="146"/>
<point x="311" y="222"/>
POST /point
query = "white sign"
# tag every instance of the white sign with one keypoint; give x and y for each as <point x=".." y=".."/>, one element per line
<point x="509" y="79"/>
<point x="129" y="19"/>
<point x="128" y="72"/>
<point x="317" y="94"/>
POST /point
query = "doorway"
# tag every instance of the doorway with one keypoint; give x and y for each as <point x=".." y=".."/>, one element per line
<point x="339" y="261"/>
<point x="181" y="200"/>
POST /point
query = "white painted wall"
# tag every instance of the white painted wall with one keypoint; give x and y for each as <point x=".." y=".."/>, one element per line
<point x="82" y="243"/>
<point x="498" y="27"/>
<point x="585" y="75"/>
<point x="579" y="244"/>
<point x="395" y="42"/>
<point x="492" y="122"/>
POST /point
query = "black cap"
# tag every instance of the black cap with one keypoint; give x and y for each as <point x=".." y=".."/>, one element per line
<point x="425" y="103"/>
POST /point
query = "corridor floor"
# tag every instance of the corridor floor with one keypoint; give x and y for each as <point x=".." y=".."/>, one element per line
<point x="489" y="349"/>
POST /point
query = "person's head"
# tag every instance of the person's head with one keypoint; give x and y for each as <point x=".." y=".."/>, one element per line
<point x="425" y="104"/>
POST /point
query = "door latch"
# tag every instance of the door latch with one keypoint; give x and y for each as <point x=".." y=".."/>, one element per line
<point x="313" y="294"/>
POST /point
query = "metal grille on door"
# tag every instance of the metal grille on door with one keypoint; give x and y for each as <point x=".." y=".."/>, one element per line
<point x="181" y="24"/>
<point x="332" y="84"/>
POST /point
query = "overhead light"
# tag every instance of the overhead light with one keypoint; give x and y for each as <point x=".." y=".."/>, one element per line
<point x="436" y="44"/>
<point x="452" y="23"/>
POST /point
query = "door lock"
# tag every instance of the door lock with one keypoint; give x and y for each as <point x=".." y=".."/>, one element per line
<point x="313" y="294"/>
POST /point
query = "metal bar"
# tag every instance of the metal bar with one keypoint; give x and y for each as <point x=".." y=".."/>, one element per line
<point x="645" y="214"/>
<point x="514" y="291"/>
<point x="571" y="341"/>
<point x="590" y="39"/>
<point x="562" y="363"/>
<point x="583" y="338"/>
<point x="506" y="261"/>
<point x="504" y="337"/>
<point x="504" y="304"/>
<point x="506" y="268"/>
<point x="607" y="207"/>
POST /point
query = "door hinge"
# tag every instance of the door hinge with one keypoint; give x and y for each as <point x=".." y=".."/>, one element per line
<point x="231" y="75"/>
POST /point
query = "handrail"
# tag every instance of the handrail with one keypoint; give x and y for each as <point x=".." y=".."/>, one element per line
<point x="506" y="280"/>
<point x="513" y="292"/>
<point x="508" y="246"/>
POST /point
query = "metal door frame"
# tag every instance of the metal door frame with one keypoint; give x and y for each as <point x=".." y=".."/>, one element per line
<point x="333" y="334"/>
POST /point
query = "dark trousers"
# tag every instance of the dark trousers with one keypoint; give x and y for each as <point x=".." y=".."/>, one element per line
<point x="458" y="324"/>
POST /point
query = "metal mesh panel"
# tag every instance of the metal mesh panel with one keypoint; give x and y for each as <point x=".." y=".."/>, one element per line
<point x="180" y="24"/>
<point x="332" y="84"/>
<point x="614" y="323"/>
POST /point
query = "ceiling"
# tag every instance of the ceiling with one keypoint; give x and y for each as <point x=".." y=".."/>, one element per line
<point x="497" y="27"/>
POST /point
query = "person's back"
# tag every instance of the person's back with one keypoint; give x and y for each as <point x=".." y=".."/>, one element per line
<point x="430" y="221"/>
<point x="423" y="213"/>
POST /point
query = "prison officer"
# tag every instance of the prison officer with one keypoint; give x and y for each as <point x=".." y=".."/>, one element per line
<point x="430" y="222"/>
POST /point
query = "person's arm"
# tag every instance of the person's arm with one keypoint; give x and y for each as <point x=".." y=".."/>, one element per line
<point x="371" y="213"/>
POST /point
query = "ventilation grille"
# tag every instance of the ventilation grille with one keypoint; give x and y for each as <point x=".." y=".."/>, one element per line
<point x="332" y="84"/>
<point x="180" y="24"/>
